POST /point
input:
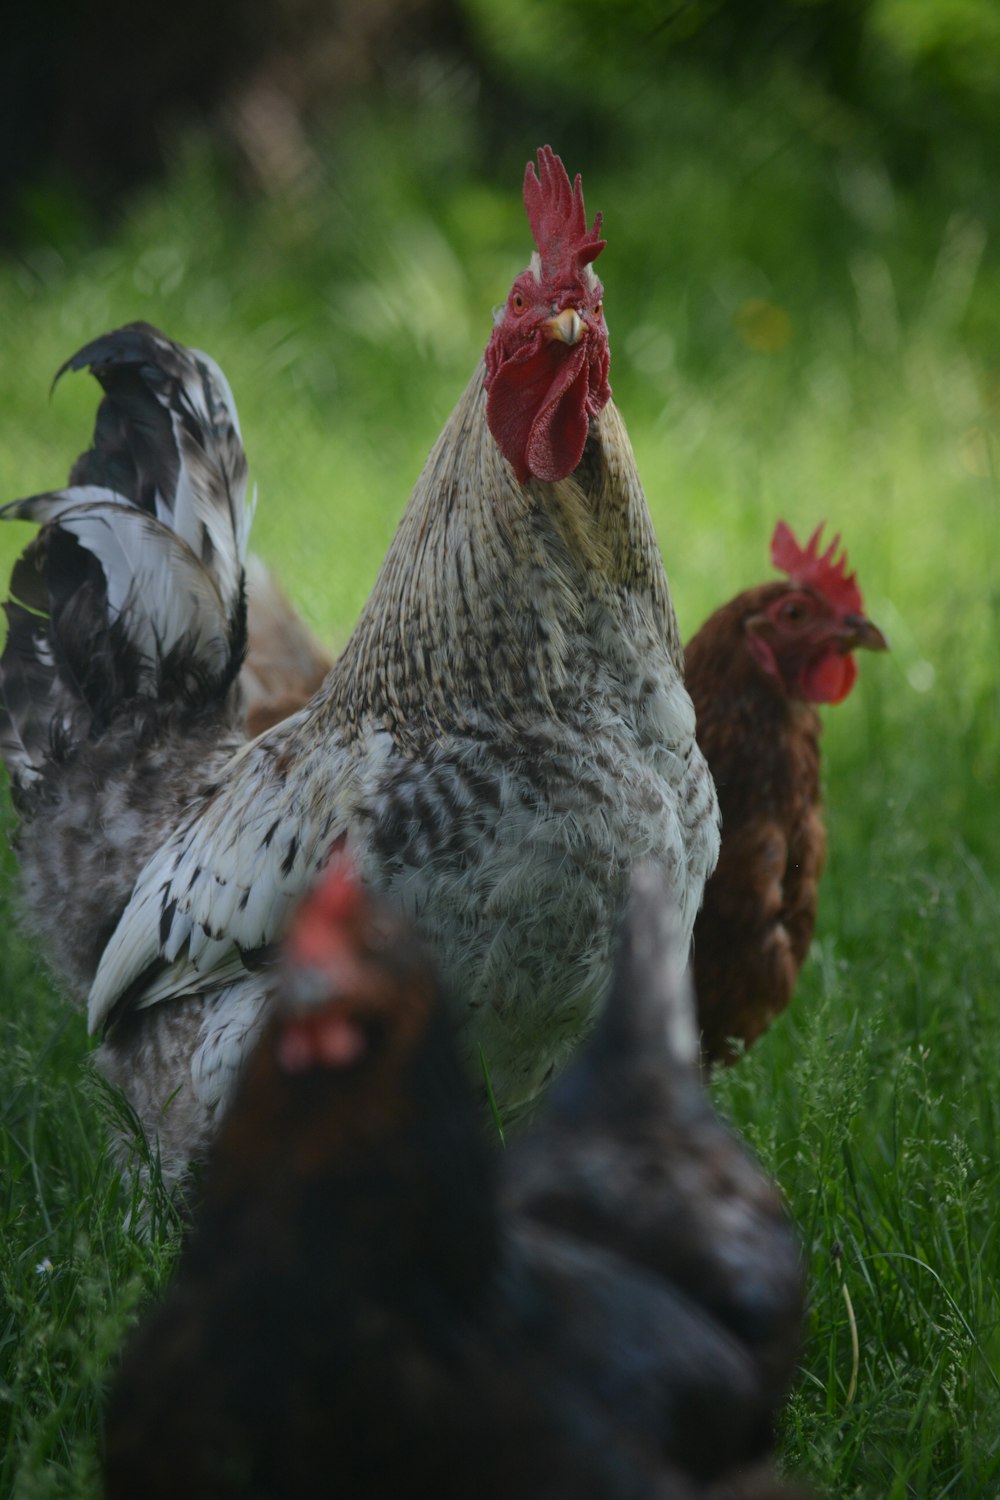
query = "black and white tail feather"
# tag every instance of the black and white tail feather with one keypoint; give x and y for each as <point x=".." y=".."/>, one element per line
<point x="131" y="596"/>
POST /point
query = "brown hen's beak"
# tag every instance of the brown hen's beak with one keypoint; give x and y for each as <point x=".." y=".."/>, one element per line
<point x="566" y="327"/>
<point x="858" y="631"/>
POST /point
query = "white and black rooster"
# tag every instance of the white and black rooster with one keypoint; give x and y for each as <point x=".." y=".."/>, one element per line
<point x="504" y="737"/>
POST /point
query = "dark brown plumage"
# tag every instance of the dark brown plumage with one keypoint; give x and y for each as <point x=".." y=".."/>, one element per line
<point x="755" y="671"/>
<point x="376" y="1303"/>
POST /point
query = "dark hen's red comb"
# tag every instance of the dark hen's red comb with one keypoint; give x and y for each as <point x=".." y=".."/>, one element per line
<point x="558" y="218"/>
<point x="814" y="569"/>
<point x="336" y="901"/>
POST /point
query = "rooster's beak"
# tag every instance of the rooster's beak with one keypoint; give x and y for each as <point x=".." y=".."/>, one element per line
<point x="567" y="327"/>
<point x="858" y="631"/>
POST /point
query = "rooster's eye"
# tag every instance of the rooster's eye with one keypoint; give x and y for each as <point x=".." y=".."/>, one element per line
<point x="792" y="612"/>
<point x="599" y="309"/>
<point x="517" y="302"/>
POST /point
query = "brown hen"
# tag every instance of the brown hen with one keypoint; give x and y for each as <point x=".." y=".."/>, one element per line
<point x="756" y="670"/>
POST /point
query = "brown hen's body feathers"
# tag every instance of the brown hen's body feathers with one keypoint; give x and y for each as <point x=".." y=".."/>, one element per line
<point x="759" y="911"/>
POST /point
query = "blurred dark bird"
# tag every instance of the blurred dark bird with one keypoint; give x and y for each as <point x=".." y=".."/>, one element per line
<point x="756" y="670"/>
<point x="374" y="1303"/>
<point x="505" y="735"/>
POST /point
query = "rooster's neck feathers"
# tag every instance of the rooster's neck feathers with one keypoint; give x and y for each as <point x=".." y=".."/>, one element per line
<point x="489" y="583"/>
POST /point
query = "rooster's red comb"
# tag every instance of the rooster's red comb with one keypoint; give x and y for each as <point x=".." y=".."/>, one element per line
<point x="815" y="569"/>
<point x="558" y="218"/>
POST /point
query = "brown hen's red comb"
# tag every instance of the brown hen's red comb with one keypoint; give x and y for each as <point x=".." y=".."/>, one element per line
<point x="558" y="218"/>
<point x="814" y="569"/>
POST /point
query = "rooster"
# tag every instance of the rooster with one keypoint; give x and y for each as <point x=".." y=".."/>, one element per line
<point x="755" y="670"/>
<point x="376" y="1303"/>
<point x="505" y="735"/>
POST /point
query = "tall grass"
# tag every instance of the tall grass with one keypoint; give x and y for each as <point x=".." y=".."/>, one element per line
<point x="793" y="335"/>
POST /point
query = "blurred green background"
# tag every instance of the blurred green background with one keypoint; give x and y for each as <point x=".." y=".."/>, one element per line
<point x="803" y="291"/>
<point x="802" y="278"/>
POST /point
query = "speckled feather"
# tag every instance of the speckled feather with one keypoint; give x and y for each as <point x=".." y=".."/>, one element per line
<point x="126" y="634"/>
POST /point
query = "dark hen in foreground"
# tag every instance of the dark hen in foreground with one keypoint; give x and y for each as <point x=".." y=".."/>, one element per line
<point x="375" y="1303"/>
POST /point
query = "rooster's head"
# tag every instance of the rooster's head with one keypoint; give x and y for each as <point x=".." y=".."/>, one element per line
<point x="547" y="359"/>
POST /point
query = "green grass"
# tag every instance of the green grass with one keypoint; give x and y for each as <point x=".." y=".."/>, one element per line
<point x="794" y="333"/>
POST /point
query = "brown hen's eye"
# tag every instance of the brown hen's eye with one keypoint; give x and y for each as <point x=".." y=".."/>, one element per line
<point x="792" y="612"/>
<point x="599" y="309"/>
<point x="518" y="303"/>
